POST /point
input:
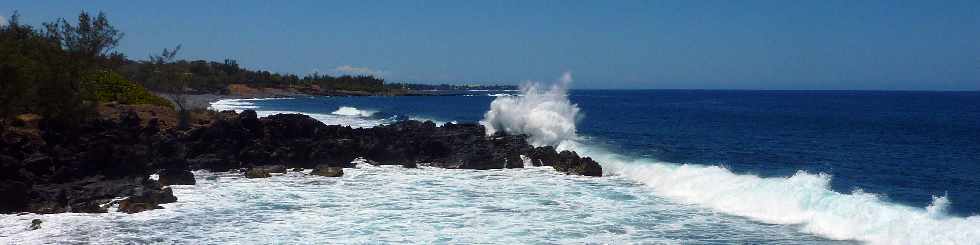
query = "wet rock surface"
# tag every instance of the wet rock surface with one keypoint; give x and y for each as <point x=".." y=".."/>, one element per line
<point x="176" y="177"/>
<point x="257" y="173"/>
<point x="299" y="141"/>
<point x="35" y="224"/>
<point x="82" y="169"/>
<point x="328" y="171"/>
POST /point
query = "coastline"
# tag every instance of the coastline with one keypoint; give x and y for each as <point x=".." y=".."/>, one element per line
<point x="204" y="100"/>
<point x="108" y="162"/>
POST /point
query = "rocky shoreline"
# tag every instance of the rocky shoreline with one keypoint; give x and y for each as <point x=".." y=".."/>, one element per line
<point x="107" y="163"/>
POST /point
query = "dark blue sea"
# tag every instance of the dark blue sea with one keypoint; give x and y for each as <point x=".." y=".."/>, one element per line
<point x="906" y="146"/>
<point x="680" y="166"/>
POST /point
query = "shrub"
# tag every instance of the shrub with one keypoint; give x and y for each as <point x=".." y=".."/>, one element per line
<point x="106" y="86"/>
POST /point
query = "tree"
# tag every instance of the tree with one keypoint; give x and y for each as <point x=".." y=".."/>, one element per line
<point x="83" y="46"/>
<point x="43" y="69"/>
<point x="92" y="38"/>
<point x="172" y="79"/>
<point x="16" y="81"/>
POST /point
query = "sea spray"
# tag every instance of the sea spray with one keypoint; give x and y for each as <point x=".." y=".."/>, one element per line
<point x="803" y="199"/>
<point x="543" y="113"/>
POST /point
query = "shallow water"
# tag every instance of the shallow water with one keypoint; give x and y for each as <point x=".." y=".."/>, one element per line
<point x="392" y="204"/>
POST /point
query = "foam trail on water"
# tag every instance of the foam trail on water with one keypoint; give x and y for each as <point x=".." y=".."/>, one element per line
<point x="545" y="114"/>
<point x="804" y="199"/>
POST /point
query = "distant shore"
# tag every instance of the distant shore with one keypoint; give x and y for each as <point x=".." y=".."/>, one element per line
<point x="204" y="100"/>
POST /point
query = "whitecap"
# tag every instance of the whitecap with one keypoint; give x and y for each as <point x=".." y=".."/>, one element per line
<point x="804" y="199"/>
<point x="352" y="111"/>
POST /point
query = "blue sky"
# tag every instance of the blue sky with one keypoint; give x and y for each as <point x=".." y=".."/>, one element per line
<point x="892" y="45"/>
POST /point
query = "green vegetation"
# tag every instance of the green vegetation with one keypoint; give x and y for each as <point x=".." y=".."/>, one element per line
<point x="106" y="86"/>
<point x="61" y="71"/>
<point x="171" y="79"/>
<point x="214" y="77"/>
<point x="41" y="69"/>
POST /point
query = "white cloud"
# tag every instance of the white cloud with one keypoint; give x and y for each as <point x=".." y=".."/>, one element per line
<point x="3" y="20"/>
<point x="352" y="70"/>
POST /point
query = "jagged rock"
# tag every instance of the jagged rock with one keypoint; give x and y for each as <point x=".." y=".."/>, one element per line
<point x="15" y="183"/>
<point x="39" y="163"/>
<point x="147" y="200"/>
<point x="90" y="206"/>
<point x="176" y="177"/>
<point x="131" y="207"/>
<point x="280" y="169"/>
<point x="212" y="162"/>
<point x="35" y="224"/>
<point x="296" y="140"/>
<point x="249" y="120"/>
<point x="90" y="195"/>
<point x="264" y="171"/>
<point x="328" y="171"/>
<point x="543" y="156"/>
<point x="566" y="161"/>
<point x="54" y="168"/>
<point x="570" y="162"/>
<point x="257" y="173"/>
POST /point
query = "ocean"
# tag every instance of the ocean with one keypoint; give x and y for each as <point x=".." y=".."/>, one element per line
<point x="681" y="166"/>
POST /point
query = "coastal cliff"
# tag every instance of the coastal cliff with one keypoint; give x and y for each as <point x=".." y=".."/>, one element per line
<point x="107" y="162"/>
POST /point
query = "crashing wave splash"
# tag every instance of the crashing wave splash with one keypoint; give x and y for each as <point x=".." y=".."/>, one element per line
<point x="804" y="199"/>
<point x="543" y="113"/>
<point x="352" y="111"/>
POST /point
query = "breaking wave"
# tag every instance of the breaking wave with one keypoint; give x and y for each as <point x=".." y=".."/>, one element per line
<point x="345" y="116"/>
<point x="238" y="105"/>
<point x="544" y="113"/>
<point x="804" y="199"/>
<point x="352" y="111"/>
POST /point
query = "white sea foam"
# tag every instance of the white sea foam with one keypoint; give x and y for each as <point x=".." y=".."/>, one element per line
<point x="437" y="122"/>
<point x="543" y="113"/>
<point x="390" y="204"/>
<point x="640" y="201"/>
<point x="331" y="119"/>
<point x="238" y="104"/>
<point x="804" y="199"/>
<point x="231" y="104"/>
<point x="345" y="115"/>
<point x="352" y="111"/>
